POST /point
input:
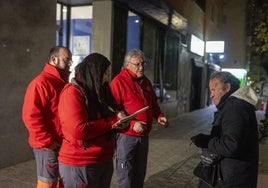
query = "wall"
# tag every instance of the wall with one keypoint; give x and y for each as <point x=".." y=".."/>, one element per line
<point x="226" y="20"/>
<point x="215" y="19"/>
<point x="27" y="33"/>
<point x="235" y="34"/>
<point x="193" y="13"/>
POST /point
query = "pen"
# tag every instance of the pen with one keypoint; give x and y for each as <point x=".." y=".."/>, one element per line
<point x="111" y="109"/>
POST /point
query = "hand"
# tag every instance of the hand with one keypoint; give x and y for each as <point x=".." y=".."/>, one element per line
<point x="121" y="114"/>
<point x="201" y="140"/>
<point x="139" y="127"/>
<point x="54" y="146"/>
<point x="123" y="125"/>
<point x="163" y="121"/>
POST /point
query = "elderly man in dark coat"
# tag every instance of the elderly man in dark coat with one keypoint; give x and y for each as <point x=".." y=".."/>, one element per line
<point x="234" y="135"/>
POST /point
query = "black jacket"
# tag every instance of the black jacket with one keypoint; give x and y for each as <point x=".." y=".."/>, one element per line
<point x="234" y="137"/>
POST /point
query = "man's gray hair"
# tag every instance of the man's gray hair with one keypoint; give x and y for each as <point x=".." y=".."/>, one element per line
<point x="226" y="77"/>
<point x="134" y="53"/>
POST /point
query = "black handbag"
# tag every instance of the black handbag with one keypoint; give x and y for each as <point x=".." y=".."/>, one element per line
<point x="207" y="168"/>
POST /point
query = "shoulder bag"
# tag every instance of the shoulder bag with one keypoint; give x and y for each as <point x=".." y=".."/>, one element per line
<point x="207" y="168"/>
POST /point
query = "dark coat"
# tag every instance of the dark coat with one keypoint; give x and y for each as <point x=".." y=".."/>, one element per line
<point x="234" y="137"/>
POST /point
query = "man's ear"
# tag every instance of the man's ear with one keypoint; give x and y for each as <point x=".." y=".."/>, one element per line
<point x="227" y="87"/>
<point x="54" y="60"/>
<point x="126" y="64"/>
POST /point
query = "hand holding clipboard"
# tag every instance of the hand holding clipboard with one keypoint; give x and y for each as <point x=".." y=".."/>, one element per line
<point x="128" y="118"/>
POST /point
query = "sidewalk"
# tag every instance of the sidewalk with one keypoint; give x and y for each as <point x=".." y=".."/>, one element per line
<point x="171" y="157"/>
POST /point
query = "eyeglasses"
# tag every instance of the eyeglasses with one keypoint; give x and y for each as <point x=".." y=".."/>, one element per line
<point x="141" y="64"/>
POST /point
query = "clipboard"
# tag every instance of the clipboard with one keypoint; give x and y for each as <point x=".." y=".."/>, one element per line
<point x="127" y="118"/>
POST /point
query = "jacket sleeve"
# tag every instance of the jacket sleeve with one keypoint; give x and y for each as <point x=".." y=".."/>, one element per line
<point x="34" y="107"/>
<point x="74" y="116"/>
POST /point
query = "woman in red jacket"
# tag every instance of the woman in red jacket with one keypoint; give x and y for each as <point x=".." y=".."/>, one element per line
<point x="87" y="113"/>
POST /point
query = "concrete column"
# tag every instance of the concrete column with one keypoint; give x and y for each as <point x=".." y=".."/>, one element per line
<point x="102" y="27"/>
<point x="109" y="31"/>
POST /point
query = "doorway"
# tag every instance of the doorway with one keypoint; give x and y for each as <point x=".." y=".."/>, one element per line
<point x="196" y="85"/>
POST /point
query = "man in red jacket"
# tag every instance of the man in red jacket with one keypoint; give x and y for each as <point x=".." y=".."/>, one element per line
<point x="132" y="91"/>
<point x="40" y="115"/>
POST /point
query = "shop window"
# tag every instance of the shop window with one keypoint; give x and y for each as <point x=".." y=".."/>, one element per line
<point x="133" y="31"/>
<point x="171" y="66"/>
<point x="74" y="29"/>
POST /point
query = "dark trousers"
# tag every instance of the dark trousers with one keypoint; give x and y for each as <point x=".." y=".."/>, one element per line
<point x="131" y="160"/>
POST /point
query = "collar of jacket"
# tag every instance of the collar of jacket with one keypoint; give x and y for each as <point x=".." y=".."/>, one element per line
<point x="61" y="74"/>
<point x="132" y="75"/>
<point x="224" y="99"/>
<point x="76" y="84"/>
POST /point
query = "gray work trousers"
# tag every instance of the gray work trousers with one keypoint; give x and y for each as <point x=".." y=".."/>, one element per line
<point x="131" y="160"/>
<point x="91" y="176"/>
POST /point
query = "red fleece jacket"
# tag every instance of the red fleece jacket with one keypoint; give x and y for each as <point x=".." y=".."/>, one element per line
<point x="40" y="107"/>
<point x="132" y="94"/>
<point x="85" y="141"/>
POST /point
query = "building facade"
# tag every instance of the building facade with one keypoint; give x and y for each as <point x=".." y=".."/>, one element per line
<point x="172" y="34"/>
